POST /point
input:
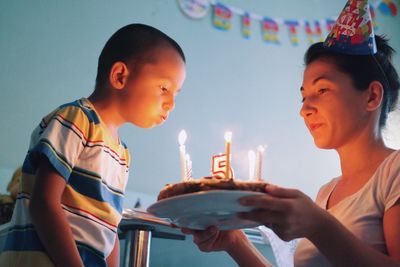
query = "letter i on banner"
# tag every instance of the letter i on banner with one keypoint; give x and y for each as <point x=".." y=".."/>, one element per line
<point x="222" y="17"/>
<point x="292" y="28"/>
<point x="317" y="33"/>
<point x="270" y="30"/>
<point x="246" y="23"/>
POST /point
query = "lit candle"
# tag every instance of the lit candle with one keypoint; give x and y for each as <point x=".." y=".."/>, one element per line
<point x="252" y="160"/>
<point x="228" y="141"/>
<point x="182" y="153"/>
<point x="189" y="167"/>
<point x="259" y="157"/>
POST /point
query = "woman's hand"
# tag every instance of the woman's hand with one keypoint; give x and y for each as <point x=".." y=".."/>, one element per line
<point x="234" y="242"/>
<point x="288" y="212"/>
<point x="212" y="239"/>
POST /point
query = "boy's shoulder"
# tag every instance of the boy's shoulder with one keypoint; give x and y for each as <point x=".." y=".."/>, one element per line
<point x="80" y="110"/>
<point x="79" y="106"/>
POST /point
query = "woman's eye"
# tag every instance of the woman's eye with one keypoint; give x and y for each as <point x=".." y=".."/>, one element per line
<point x="303" y="99"/>
<point x="322" y="90"/>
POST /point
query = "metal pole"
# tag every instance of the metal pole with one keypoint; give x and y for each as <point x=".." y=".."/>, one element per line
<point x="137" y="248"/>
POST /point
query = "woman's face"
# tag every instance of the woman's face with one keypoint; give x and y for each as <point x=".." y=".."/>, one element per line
<point x="333" y="110"/>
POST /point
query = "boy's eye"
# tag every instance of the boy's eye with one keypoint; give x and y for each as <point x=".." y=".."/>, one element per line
<point x="164" y="89"/>
<point x="303" y="99"/>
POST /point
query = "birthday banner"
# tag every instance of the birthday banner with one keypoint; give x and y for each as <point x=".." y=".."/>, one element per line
<point x="222" y="16"/>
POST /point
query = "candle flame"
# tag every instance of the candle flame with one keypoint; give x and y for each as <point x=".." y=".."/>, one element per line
<point x="228" y="136"/>
<point x="187" y="157"/>
<point x="182" y="137"/>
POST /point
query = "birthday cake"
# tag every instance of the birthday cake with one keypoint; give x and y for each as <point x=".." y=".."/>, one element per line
<point x="207" y="184"/>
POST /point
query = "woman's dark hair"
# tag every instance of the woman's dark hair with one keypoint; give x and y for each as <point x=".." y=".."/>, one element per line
<point x="132" y="43"/>
<point x="365" y="69"/>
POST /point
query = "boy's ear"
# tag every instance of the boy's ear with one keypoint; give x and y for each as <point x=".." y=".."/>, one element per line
<point x="118" y="75"/>
<point x="375" y="95"/>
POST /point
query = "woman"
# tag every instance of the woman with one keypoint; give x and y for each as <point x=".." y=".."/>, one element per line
<point x="356" y="218"/>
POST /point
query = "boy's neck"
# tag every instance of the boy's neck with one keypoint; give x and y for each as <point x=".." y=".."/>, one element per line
<point x="107" y="111"/>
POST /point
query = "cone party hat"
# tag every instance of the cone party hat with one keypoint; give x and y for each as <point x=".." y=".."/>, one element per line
<point x="353" y="33"/>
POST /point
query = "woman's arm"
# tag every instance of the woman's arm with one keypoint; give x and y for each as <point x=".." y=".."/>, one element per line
<point x="391" y="228"/>
<point x="246" y="254"/>
<point x="49" y="219"/>
<point x="234" y="242"/>
<point x="291" y="214"/>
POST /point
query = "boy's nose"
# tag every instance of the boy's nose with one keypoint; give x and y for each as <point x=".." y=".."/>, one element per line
<point x="169" y="105"/>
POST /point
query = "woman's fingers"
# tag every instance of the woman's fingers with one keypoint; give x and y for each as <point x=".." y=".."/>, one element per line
<point x="282" y="192"/>
<point x="187" y="231"/>
<point x="265" y="217"/>
<point x="265" y="202"/>
<point x="205" y="236"/>
<point x="202" y="237"/>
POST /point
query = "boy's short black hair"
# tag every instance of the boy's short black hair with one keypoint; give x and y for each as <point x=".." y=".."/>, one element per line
<point x="365" y="69"/>
<point x="131" y="43"/>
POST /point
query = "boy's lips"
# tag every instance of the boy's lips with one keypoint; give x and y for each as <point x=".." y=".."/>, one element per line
<point x="164" y="117"/>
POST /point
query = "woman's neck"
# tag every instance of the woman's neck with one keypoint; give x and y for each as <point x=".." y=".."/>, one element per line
<point x="362" y="157"/>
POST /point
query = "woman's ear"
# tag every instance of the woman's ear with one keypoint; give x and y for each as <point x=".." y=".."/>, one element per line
<point x="375" y="95"/>
<point x="118" y="75"/>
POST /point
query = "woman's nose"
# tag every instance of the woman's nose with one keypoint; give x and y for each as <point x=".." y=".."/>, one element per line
<point x="307" y="109"/>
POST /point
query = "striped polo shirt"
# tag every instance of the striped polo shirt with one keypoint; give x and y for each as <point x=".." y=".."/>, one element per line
<point x="95" y="166"/>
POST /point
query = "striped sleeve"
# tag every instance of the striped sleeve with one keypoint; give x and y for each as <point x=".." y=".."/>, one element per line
<point x="60" y="137"/>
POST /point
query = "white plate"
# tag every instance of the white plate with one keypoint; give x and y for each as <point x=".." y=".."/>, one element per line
<point x="203" y="209"/>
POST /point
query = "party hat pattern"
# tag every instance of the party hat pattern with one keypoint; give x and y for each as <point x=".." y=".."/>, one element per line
<point x="353" y="32"/>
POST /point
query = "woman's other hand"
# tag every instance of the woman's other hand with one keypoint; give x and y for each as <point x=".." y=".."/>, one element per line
<point x="212" y="239"/>
<point x="288" y="212"/>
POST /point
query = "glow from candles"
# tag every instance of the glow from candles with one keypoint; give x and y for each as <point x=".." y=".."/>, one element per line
<point x="182" y="137"/>
<point x="252" y="161"/>
<point x="182" y="153"/>
<point x="228" y="136"/>
<point x="228" y="141"/>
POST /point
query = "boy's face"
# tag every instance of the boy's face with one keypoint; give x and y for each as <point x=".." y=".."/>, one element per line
<point x="149" y="94"/>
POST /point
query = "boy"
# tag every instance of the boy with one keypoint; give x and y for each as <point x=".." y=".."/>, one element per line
<point x="76" y="169"/>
